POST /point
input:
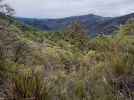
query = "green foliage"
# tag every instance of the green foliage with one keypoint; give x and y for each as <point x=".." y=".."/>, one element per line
<point x="73" y="35"/>
<point x="65" y="64"/>
<point x="29" y="87"/>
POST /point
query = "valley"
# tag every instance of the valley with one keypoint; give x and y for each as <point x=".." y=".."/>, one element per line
<point x="75" y="58"/>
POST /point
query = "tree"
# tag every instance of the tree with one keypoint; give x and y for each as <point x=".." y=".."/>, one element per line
<point x="6" y="9"/>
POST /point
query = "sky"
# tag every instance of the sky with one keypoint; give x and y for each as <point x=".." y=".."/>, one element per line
<point x="66" y="8"/>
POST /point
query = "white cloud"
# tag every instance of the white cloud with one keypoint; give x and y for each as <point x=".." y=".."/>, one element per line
<point x="65" y="8"/>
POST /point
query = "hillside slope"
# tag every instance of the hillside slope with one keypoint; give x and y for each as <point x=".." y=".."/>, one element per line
<point x="65" y="64"/>
<point x="108" y="27"/>
<point x="56" y="24"/>
<point x="92" y="24"/>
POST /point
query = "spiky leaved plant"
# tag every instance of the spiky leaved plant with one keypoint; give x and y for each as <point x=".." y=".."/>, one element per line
<point x="27" y="87"/>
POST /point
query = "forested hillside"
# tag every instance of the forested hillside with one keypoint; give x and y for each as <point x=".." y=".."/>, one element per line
<point x="92" y="24"/>
<point x="57" y="24"/>
<point x="65" y="64"/>
<point x="108" y="27"/>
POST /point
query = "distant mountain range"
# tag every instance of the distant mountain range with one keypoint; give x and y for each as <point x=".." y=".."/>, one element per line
<point x="93" y="24"/>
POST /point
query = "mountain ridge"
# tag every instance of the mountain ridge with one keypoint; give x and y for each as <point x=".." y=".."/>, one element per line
<point x="56" y="24"/>
<point x="92" y="24"/>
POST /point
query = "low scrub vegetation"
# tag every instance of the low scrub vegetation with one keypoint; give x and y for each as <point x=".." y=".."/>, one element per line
<point x="65" y="64"/>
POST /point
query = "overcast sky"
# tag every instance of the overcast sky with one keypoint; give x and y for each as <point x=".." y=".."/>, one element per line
<point x="65" y="8"/>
